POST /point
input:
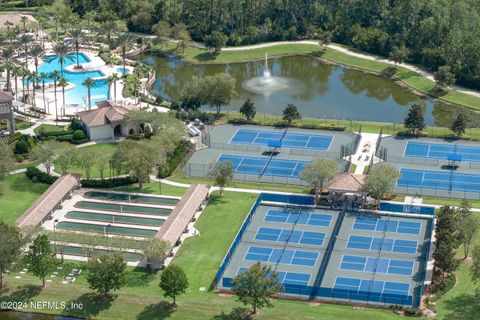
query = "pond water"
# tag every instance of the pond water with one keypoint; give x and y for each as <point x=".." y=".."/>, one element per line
<point x="325" y="91"/>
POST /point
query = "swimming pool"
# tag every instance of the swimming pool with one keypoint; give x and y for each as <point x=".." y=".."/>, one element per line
<point x="120" y="70"/>
<point x="78" y="94"/>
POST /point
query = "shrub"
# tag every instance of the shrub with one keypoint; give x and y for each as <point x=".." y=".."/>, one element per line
<point x="21" y="147"/>
<point x="19" y="158"/>
<point x="78" y="135"/>
<point x="36" y="175"/>
<point x="77" y="142"/>
<point x="174" y="159"/>
<point x="76" y="124"/>
<point x="107" y="183"/>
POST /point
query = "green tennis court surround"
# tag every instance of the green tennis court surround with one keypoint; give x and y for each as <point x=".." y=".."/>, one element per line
<point x="130" y="198"/>
<point x="77" y="251"/>
<point x="123" y="208"/>
<point x="85" y="227"/>
<point x="82" y="215"/>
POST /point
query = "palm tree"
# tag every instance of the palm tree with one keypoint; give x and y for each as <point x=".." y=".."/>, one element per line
<point x="15" y="73"/>
<point x="113" y="79"/>
<point x="36" y="51"/>
<point x="108" y="27"/>
<point x="89" y="82"/>
<point x="42" y="23"/>
<point x="23" y="73"/>
<point x="124" y="40"/>
<point x="90" y="19"/>
<point x="62" y="51"/>
<point x="76" y="33"/>
<point x="7" y="58"/>
<point x="42" y="77"/>
<point x="25" y="40"/>
<point x="55" y="75"/>
<point x="23" y="20"/>
<point x="33" y="77"/>
<point x="63" y="83"/>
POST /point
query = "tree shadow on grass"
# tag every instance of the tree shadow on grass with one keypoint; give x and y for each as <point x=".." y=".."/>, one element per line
<point x="23" y="293"/>
<point x="389" y="72"/>
<point x="238" y="313"/>
<point x="205" y="56"/>
<point x="464" y="306"/>
<point x="161" y="310"/>
<point x="26" y="185"/>
<point x="216" y="199"/>
<point x="138" y="277"/>
<point x="92" y="304"/>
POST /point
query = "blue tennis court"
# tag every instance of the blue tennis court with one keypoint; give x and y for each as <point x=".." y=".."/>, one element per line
<point x="289" y="140"/>
<point x="377" y="286"/>
<point x="438" y="180"/>
<point x="282" y="256"/>
<point x="373" y="224"/>
<point x="292" y="278"/>
<point x="441" y="151"/>
<point x="302" y="218"/>
<point x="290" y="236"/>
<point x="380" y="265"/>
<point x="263" y="166"/>
<point x="382" y="244"/>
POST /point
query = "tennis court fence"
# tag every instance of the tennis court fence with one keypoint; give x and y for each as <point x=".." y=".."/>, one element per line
<point x="427" y="161"/>
<point x="436" y="191"/>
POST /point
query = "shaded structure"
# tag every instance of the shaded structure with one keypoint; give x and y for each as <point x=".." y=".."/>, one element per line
<point x="347" y="188"/>
<point x="6" y="111"/>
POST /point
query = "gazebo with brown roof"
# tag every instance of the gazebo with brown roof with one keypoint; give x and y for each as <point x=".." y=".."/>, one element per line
<point x="347" y="188"/>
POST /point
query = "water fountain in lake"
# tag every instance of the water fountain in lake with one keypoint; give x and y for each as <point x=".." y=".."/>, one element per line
<point x="268" y="84"/>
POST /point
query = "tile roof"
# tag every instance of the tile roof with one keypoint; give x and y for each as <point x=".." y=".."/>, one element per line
<point x="103" y="115"/>
<point x="347" y="182"/>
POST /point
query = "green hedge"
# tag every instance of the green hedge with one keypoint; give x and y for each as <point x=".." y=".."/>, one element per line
<point x="107" y="183"/>
<point x="36" y="175"/>
<point x="174" y="159"/>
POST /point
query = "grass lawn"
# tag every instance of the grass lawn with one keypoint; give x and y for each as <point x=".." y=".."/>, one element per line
<point x="50" y="128"/>
<point x="153" y="188"/>
<point x="408" y="77"/>
<point x="448" y="201"/>
<point x="199" y="257"/>
<point x="21" y="125"/>
<point x="17" y="194"/>
<point x="462" y="301"/>
<point x="94" y="173"/>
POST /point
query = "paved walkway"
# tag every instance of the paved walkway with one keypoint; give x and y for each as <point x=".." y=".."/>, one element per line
<point x="423" y="72"/>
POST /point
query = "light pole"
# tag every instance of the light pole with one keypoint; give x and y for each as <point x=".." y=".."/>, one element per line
<point x="54" y="238"/>
<point x="159" y="179"/>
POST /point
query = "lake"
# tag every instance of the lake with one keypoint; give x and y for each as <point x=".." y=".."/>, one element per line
<point x="325" y="91"/>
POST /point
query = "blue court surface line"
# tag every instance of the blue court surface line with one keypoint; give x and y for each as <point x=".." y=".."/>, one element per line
<point x="292" y="278"/>
<point x="381" y="244"/>
<point x="262" y="166"/>
<point x="290" y="236"/>
<point x="441" y="151"/>
<point x="376" y="286"/>
<point x="396" y="226"/>
<point x="290" y="140"/>
<point x="377" y="265"/>
<point x="282" y="256"/>
<point x="439" y="180"/>
<point x="302" y="218"/>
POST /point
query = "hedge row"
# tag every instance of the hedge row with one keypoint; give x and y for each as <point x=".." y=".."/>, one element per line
<point x="108" y="183"/>
<point x="36" y="175"/>
<point x="174" y="159"/>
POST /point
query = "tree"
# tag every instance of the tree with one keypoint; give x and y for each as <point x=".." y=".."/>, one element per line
<point x="193" y="94"/>
<point x="107" y="272"/>
<point x="398" y="54"/>
<point x="41" y="258"/>
<point x="42" y="77"/>
<point x="415" y="120"/>
<point x="25" y="40"/>
<point x="162" y="30"/>
<point x="459" y="124"/>
<point x="62" y="82"/>
<point x="113" y="79"/>
<point x="182" y="36"/>
<point x="380" y="180"/>
<point x="7" y="59"/>
<point x="220" y="90"/>
<point x="11" y="243"/>
<point x="475" y="267"/>
<point x="445" y="234"/>
<point x="290" y="113"/>
<point x="138" y="157"/>
<point x="62" y="51"/>
<point x="248" y="110"/>
<point x="256" y="286"/>
<point x="6" y="160"/>
<point x="124" y="40"/>
<point x="216" y="41"/>
<point x="444" y="76"/>
<point x="89" y="83"/>
<point x="173" y="282"/>
<point x="65" y="157"/>
<point x="316" y="173"/>
<point x="325" y="37"/>
<point x="55" y="75"/>
<point x="47" y="151"/>
<point x="36" y="51"/>
<point x="466" y="226"/>
<point x="108" y="27"/>
<point x="76" y="33"/>
<point x="155" y="251"/>
<point x="221" y="173"/>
